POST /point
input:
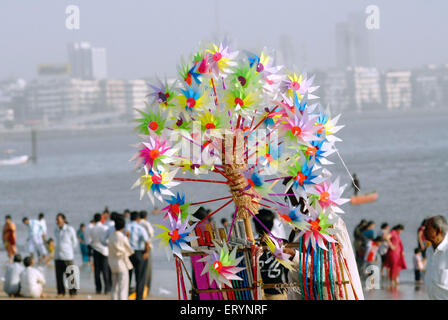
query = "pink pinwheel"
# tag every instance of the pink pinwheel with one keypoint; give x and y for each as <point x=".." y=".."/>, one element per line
<point x="221" y="59"/>
<point x="320" y="229"/>
<point x="330" y="195"/>
<point x="299" y="84"/>
<point x="156" y="151"/>
<point x="221" y="265"/>
<point x="300" y="127"/>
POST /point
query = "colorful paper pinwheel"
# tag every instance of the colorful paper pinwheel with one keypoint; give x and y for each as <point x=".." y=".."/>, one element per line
<point x="155" y="183"/>
<point x="155" y="152"/>
<point x="292" y="215"/>
<point x="330" y="195"/>
<point x="221" y="265"/>
<point x="177" y="207"/>
<point x="277" y="251"/>
<point x="176" y="236"/>
<point x="221" y="59"/>
<point x="320" y="229"/>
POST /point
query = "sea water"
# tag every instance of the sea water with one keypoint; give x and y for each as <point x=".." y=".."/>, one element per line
<point x="403" y="155"/>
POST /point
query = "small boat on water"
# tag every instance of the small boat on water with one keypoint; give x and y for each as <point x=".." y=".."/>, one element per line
<point x="364" y="198"/>
<point x="14" y="160"/>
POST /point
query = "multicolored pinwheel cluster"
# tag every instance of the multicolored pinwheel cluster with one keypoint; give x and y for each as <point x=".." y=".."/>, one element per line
<point x="220" y="92"/>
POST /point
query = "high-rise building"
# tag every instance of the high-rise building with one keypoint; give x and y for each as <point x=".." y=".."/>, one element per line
<point x="365" y="88"/>
<point x="397" y="89"/>
<point x="87" y="62"/>
<point x="334" y="91"/>
<point x="354" y="43"/>
<point x="429" y="86"/>
<point x="12" y="104"/>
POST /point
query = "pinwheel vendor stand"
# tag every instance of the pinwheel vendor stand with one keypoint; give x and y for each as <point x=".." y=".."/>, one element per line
<point x="253" y="124"/>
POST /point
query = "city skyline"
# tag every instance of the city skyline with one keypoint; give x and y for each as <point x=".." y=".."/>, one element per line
<point x="145" y="38"/>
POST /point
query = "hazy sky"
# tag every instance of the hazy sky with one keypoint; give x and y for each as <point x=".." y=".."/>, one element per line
<point x="144" y="38"/>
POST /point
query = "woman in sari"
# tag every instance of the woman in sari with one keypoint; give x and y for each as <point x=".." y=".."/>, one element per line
<point x="395" y="261"/>
<point x="9" y="237"/>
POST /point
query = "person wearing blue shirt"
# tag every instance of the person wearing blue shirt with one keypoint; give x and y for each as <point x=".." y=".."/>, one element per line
<point x="139" y="241"/>
<point x="369" y="231"/>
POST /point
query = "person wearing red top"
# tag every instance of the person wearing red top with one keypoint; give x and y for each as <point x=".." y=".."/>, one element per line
<point x="395" y="261"/>
<point x="9" y="237"/>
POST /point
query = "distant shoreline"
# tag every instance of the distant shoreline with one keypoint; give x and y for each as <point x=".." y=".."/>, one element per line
<point x="366" y="114"/>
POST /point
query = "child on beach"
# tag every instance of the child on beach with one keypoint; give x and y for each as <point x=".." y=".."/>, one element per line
<point x="418" y="265"/>
<point x="371" y="254"/>
<point x="50" y="247"/>
<point x="32" y="280"/>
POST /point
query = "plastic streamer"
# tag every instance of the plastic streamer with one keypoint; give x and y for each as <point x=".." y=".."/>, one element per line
<point x="331" y="271"/>
<point x="307" y="286"/>
<point x="302" y="295"/>
<point x="322" y="273"/>
<point x="312" y="278"/>
<point x="338" y="272"/>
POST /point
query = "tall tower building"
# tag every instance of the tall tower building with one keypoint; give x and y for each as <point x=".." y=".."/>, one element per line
<point x="354" y="43"/>
<point x="86" y="62"/>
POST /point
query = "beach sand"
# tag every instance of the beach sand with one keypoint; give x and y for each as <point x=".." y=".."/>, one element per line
<point x="82" y="295"/>
<point x="405" y="291"/>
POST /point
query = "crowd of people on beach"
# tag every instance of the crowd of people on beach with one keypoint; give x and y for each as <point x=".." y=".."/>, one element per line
<point x="385" y="249"/>
<point x="113" y="245"/>
<point x="116" y="246"/>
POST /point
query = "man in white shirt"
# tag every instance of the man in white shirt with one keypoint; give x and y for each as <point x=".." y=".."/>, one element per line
<point x="150" y="230"/>
<point x="12" y="276"/>
<point x="65" y="243"/>
<point x="100" y="253"/>
<point x="436" y="277"/>
<point x="35" y="241"/>
<point x="32" y="280"/>
<point x="43" y="223"/>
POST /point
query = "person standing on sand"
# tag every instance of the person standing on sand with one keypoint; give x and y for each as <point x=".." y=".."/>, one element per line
<point x="385" y="235"/>
<point x="395" y="261"/>
<point x="150" y="230"/>
<point x="120" y="265"/>
<point x="359" y="241"/>
<point x="65" y="244"/>
<point x="418" y="266"/>
<point x="422" y="243"/>
<point x="100" y="253"/>
<point x="35" y="241"/>
<point x="43" y="223"/>
<point x="32" y="281"/>
<point x="9" y="237"/>
<point x="81" y="233"/>
<point x="436" y="277"/>
<point x="139" y="240"/>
